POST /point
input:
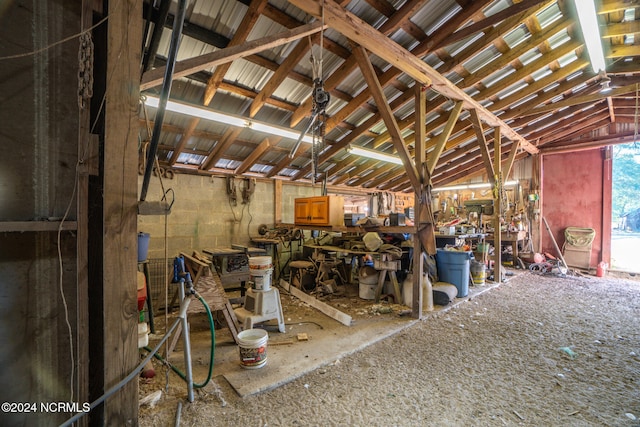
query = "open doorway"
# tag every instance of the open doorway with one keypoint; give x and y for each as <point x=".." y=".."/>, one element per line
<point x="625" y="229"/>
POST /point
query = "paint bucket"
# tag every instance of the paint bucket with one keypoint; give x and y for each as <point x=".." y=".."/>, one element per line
<point x="260" y="269"/>
<point x="253" y="348"/>
<point x="478" y="272"/>
<point x="143" y="246"/>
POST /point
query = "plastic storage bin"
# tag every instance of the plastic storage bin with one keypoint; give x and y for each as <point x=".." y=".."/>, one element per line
<point x="454" y="267"/>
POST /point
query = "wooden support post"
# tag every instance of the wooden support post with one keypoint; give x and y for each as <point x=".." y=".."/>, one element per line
<point x="120" y="209"/>
<point x="82" y="256"/>
<point x="277" y="201"/>
<point x="424" y="237"/>
<point x="498" y="184"/>
<point x="420" y="160"/>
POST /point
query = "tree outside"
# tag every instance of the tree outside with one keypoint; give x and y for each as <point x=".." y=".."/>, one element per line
<point x="625" y="236"/>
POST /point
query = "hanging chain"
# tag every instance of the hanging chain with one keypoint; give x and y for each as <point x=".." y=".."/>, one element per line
<point x="85" y="70"/>
<point x="318" y="145"/>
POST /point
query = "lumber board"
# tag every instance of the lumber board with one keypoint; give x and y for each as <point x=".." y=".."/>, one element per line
<point x="120" y="352"/>
<point x="325" y="308"/>
<point x="193" y="65"/>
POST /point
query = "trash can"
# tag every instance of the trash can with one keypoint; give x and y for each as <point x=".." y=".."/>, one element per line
<point x="454" y="267"/>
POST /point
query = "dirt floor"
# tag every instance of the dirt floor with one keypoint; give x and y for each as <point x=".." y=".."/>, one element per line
<point x="538" y="350"/>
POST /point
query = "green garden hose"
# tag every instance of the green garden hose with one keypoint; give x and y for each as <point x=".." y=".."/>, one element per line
<point x="212" y="353"/>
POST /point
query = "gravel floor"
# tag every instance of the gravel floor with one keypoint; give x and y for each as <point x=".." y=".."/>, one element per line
<point x="536" y="351"/>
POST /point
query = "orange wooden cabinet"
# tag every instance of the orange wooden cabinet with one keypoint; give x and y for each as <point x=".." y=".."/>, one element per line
<point x="320" y="210"/>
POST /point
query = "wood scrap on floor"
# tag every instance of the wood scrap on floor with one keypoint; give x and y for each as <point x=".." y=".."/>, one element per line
<point x="332" y="312"/>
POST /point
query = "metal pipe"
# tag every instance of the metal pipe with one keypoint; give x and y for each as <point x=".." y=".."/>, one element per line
<point x="178" y="414"/>
<point x="184" y="305"/>
<point x="164" y="96"/>
<point x="150" y="55"/>
<point x="124" y="381"/>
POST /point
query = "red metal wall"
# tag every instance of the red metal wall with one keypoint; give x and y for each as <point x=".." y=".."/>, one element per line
<point x="576" y="192"/>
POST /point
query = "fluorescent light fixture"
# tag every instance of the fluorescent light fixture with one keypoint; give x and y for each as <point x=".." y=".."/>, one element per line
<point x="373" y="154"/>
<point x="472" y="186"/>
<point x="479" y="185"/>
<point x="225" y="118"/>
<point x="591" y="33"/>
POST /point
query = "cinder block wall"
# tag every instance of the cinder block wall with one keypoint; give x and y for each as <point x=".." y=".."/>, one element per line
<point x="203" y="217"/>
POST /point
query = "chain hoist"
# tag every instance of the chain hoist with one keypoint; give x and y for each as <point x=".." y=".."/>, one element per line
<point x="85" y="70"/>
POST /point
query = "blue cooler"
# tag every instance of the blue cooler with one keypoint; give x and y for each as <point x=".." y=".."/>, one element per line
<point x="454" y="267"/>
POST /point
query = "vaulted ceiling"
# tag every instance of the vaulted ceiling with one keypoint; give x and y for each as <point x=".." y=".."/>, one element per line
<point x="469" y="67"/>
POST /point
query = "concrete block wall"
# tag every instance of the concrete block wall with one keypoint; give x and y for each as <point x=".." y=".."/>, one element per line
<point x="290" y="192"/>
<point x="203" y="217"/>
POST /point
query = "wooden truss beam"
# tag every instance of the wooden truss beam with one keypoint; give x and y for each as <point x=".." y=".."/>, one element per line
<point x="482" y="143"/>
<point x="189" y="66"/>
<point x="387" y="114"/>
<point x="368" y="37"/>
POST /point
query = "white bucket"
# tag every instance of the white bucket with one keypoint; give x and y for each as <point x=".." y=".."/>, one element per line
<point x="143" y="335"/>
<point x="253" y="348"/>
<point x="260" y="272"/>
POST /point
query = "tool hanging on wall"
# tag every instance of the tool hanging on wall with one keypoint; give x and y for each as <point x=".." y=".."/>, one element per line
<point x="249" y="187"/>
<point x="231" y="190"/>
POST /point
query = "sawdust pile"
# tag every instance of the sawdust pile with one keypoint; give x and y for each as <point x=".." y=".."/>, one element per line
<point x="537" y="351"/>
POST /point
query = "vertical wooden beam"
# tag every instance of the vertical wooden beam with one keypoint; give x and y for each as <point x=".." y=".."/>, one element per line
<point x="536" y="185"/>
<point x="607" y="177"/>
<point x="420" y="160"/>
<point x="498" y="188"/>
<point x="277" y="201"/>
<point x="420" y="154"/>
<point x="82" y="251"/>
<point x="612" y="114"/>
<point x="120" y="209"/>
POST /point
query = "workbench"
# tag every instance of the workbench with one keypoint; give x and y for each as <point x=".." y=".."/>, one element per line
<point x="443" y="240"/>
<point x="510" y="239"/>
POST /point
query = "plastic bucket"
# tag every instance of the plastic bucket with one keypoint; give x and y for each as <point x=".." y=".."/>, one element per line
<point x="143" y="246"/>
<point x="478" y="273"/>
<point x="253" y="348"/>
<point x="260" y="269"/>
<point x="453" y="267"/>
